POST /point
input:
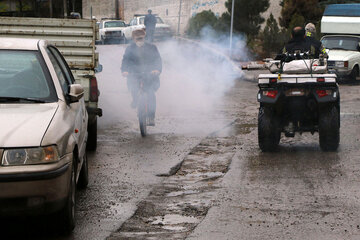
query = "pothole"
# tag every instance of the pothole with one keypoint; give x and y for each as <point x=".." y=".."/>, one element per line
<point x="177" y="205"/>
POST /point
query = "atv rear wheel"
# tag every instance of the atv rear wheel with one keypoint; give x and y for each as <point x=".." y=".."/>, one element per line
<point x="268" y="130"/>
<point x="329" y="129"/>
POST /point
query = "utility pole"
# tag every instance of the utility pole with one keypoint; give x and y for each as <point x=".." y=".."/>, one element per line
<point x="51" y="8"/>
<point x="121" y="11"/>
<point x="178" y="31"/>
<point x="117" y="10"/>
<point x="232" y="24"/>
<point x="65" y="8"/>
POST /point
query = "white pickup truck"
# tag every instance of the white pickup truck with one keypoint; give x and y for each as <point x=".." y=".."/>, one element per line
<point x="75" y="39"/>
<point x="162" y="30"/>
<point x="111" y="30"/>
<point x="341" y="26"/>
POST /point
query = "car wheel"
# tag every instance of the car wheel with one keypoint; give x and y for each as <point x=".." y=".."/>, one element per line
<point x="354" y="73"/>
<point x="84" y="174"/>
<point x="268" y="130"/>
<point x="92" y="138"/>
<point x="329" y="129"/>
<point x="67" y="214"/>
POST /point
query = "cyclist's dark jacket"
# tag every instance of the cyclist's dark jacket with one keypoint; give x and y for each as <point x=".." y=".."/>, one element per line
<point x="141" y="60"/>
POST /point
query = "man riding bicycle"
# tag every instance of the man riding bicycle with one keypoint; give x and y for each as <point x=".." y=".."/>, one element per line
<point x="142" y="59"/>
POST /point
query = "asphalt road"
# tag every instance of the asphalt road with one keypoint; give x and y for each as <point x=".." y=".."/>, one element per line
<point x="200" y="174"/>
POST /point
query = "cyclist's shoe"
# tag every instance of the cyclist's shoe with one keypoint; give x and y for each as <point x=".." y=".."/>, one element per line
<point x="151" y="122"/>
<point x="133" y="104"/>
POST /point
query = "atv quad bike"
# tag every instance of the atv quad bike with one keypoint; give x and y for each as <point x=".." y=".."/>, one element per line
<point x="299" y="96"/>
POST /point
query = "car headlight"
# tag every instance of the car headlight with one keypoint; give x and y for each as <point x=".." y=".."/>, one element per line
<point x="341" y="64"/>
<point x="24" y="156"/>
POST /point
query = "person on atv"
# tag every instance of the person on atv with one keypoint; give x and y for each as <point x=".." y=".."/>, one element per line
<point x="298" y="42"/>
<point x="310" y="36"/>
<point x="142" y="58"/>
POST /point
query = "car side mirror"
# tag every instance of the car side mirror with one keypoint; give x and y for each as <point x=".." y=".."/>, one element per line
<point x="99" y="68"/>
<point x="76" y="92"/>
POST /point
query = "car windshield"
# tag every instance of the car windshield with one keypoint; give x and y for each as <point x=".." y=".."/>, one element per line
<point x="23" y="77"/>
<point x="158" y="20"/>
<point x="114" y="24"/>
<point x="344" y="43"/>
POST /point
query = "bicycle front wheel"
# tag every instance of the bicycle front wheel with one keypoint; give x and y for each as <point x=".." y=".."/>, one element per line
<point x="142" y="115"/>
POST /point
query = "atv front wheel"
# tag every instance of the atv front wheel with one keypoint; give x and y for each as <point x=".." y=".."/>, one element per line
<point x="268" y="130"/>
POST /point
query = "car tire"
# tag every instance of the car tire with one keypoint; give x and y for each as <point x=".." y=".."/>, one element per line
<point x="67" y="214"/>
<point x="354" y="73"/>
<point x="268" y="130"/>
<point x="92" y="138"/>
<point x="329" y="129"/>
<point x="83" y="180"/>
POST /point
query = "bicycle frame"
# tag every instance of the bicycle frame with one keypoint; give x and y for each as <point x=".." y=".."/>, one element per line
<point x="142" y="107"/>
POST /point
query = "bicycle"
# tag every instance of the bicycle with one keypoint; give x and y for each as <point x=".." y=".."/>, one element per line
<point x="146" y="101"/>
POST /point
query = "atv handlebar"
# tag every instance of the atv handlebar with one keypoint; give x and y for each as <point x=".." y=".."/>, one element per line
<point x="288" y="57"/>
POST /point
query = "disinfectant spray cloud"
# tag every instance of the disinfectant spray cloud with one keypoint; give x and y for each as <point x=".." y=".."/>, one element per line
<point x="197" y="74"/>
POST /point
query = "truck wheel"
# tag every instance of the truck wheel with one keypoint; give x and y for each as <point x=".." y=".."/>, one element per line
<point x="92" y="138"/>
<point x="83" y="180"/>
<point x="354" y="73"/>
<point x="329" y="129"/>
<point x="268" y="130"/>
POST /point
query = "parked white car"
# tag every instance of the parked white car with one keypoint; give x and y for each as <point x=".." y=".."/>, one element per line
<point x="344" y="55"/>
<point x="111" y="30"/>
<point x="43" y="132"/>
<point x="162" y="30"/>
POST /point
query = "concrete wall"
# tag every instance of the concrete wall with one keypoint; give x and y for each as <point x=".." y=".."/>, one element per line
<point x="168" y="10"/>
<point x="100" y="9"/>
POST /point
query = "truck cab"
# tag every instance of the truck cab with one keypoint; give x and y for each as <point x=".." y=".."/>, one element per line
<point x="341" y="26"/>
<point x="344" y="55"/>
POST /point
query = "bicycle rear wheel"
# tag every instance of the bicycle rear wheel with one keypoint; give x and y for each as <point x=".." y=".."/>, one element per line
<point x="142" y="115"/>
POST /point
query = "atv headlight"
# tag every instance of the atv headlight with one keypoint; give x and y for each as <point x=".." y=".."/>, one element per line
<point x="24" y="156"/>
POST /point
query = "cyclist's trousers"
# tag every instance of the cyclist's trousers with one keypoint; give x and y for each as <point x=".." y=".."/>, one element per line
<point x="151" y="87"/>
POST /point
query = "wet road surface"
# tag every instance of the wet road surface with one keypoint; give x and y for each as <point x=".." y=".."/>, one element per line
<point x="224" y="187"/>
